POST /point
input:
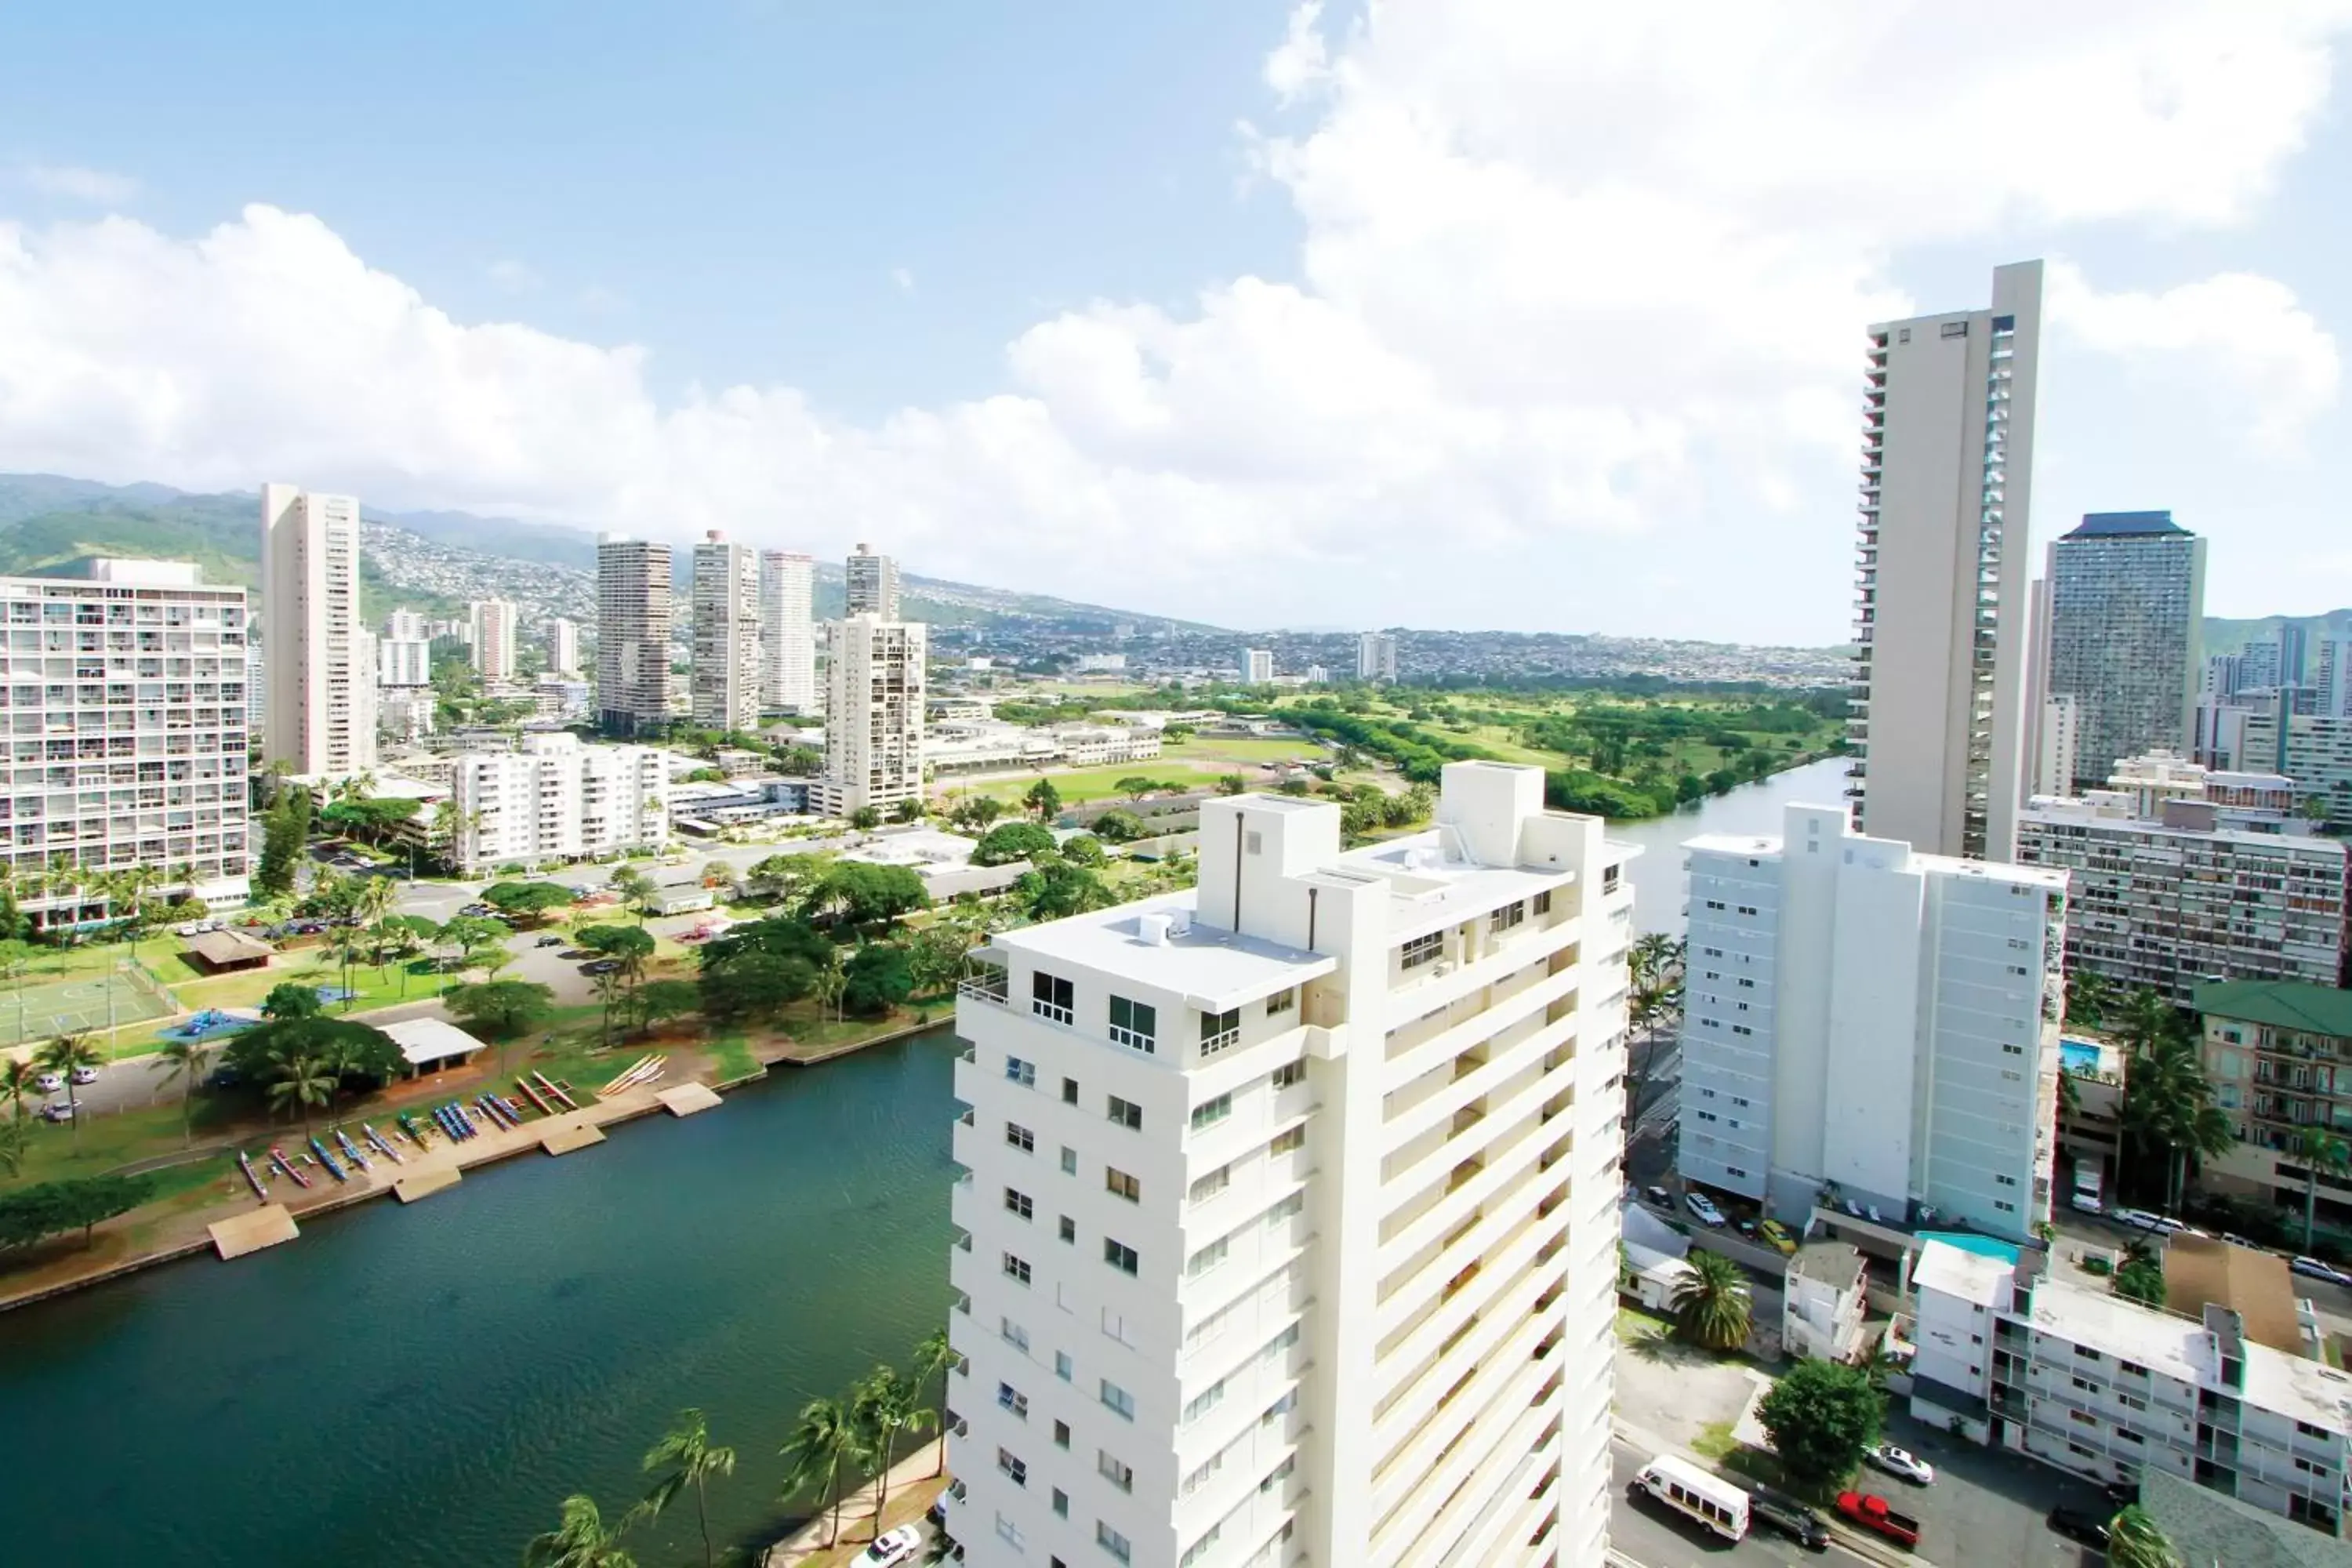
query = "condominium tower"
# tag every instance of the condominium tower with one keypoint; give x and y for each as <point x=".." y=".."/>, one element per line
<point x="406" y="625"/>
<point x="1376" y="655"/>
<point x="2127" y="608"/>
<point x="490" y="628"/>
<point x="874" y="682"/>
<point x="787" y="636"/>
<point x="633" y="611"/>
<point x="1862" y="1017"/>
<point x="1257" y="665"/>
<point x="1289" y="1228"/>
<point x="1939" y="730"/>
<point x="726" y="671"/>
<point x="872" y="585"/>
<point x="321" y="717"/>
<point x="557" y="800"/>
<point x="559" y="640"/>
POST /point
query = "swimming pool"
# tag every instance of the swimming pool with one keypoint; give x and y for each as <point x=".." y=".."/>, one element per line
<point x="2077" y="1055"/>
<point x="1969" y="1241"/>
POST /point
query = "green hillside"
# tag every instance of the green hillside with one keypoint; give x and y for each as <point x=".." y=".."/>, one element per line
<point x="51" y="543"/>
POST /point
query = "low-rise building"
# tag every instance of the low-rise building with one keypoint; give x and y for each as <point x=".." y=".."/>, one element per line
<point x="2278" y="1056"/>
<point x="556" y="800"/>
<point x="1822" y="1302"/>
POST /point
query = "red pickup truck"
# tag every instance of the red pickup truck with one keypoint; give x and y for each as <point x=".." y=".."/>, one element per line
<point x="1873" y="1514"/>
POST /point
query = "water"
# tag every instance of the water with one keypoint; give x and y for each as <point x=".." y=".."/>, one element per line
<point x="2077" y="1055"/>
<point x="423" y="1386"/>
<point x="1659" y="884"/>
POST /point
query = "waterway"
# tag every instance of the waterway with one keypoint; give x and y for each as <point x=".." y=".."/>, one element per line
<point x="422" y="1385"/>
<point x="1659" y="883"/>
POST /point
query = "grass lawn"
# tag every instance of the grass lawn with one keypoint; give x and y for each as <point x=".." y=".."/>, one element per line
<point x="104" y="1142"/>
<point x="1082" y="785"/>
<point x="1715" y="1441"/>
<point x="1251" y="750"/>
<point x="1634" y="1325"/>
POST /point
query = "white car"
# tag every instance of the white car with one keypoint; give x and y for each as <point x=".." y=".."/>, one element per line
<point x="85" y="1075"/>
<point x="48" y="1083"/>
<point x="1704" y="1208"/>
<point x="2138" y="1219"/>
<point x="1902" y="1462"/>
<point x="2313" y="1269"/>
<point x="892" y="1548"/>
<point x="57" y="1110"/>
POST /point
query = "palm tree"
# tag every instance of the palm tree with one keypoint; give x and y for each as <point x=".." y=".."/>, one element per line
<point x="68" y="1054"/>
<point x="830" y="985"/>
<point x="933" y="1356"/>
<point x="2168" y="1105"/>
<point x="184" y="1060"/>
<point x="131" y="886"/>
<point x="2319" y="1150"/>
<point x="2135" y="1542"/>
<point x="882" y="1405"/>
<point x="825" y="1439"/>
<point x="580" y="1541"/>
<point x="686" y="1449"/>
<point x="16" y="1076"/>
<point x="1711" y="1303"/>
<point x="302" y="1082"/>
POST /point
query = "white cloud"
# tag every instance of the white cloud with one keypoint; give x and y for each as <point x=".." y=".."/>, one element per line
<point x="513" y="277"/>
<point x="1580" y="294"/>
<point x="904" y="279"/>
<point x="95" y="187"/>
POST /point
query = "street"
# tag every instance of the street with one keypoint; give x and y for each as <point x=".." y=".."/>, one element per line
<point x="1656" y="1537"/>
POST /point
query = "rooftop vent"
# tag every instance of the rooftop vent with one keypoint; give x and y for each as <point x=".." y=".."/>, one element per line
<point x="1153" y="929"/>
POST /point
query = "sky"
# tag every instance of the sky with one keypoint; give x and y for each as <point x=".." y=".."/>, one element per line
<point x="1537" y="315"/>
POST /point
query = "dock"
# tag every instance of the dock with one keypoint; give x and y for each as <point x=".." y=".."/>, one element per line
<point x="424" y="1184"/>
<point x="688" y="1098"/>
<point x="263" y="1227"/>
<point x="571" y="1135"/>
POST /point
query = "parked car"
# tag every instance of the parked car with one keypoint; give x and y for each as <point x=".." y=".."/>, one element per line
<point x="2076" y="1525"/>
<point x="1790" y="1517"/>
<point x="85" y="1075"/>
<point x="2138" y="1219"/>
<point x="49" y="1083"/>
<point x="1777" y="1234"/>
<point x="1659" y="1197"/>
<point x="600" y="966"/>
<point x="1871" y="1513"/>
<point x="1903" y="1462"/>
<point x="1702" y="1207"/>
<point x="2313" y="1269"/>
<point x="552" y="938"/>
<point x="892" y="1548"/>
<point x="2243" y="1241"/>
<point x="58" y="1111"/>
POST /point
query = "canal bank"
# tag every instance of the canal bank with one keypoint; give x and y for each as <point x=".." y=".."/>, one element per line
<point x="423" y="1386"/>
<point x="1659" y="885"/>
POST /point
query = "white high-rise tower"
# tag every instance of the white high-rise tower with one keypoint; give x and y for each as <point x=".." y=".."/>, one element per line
<point x="726" y="678"/>
<point x="873" y="585"/>
<point x="787" y="636"/>
<point x="321" y="715"/>
<point x="633" y="612"/>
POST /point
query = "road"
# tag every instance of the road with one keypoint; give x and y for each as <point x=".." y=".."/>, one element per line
<point x="1655" y="1537"/>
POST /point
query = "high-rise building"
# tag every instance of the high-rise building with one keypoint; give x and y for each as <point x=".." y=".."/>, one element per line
<point x="2127" y="613"/>
<point x="491" y="625"/>
<point x="633" y="611"/>
<point x="2312" y="750"/>
<point x="726" y="670"/>
<point x="1288" y="1231"/>
<point x="874" y="680"/>
<point x="321" y="717"/>
<point x="1376" y="655"/>
<point x="402" y="662"/>
<point x="2331" y="675"/>
<point x="873" y="585"/>
<point x="556" y="800"/>
<point x="1257" y="665"/>
<point x="406" y="625"/>
<point x="2294" y="647"/>
<point x="1861" y="1016"/>
<point x="1939" y="724"/>
<point x="787" y="636"/>
<point x="2058" y="743"/>
<point x="559" y="640"/>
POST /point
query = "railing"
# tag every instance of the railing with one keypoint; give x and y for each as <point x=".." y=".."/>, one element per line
<point x="988" y="991"/>
<point x="1211" y="1044"/>
<point x="1053" y="1013"/>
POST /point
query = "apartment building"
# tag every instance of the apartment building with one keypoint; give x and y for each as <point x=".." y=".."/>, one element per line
<point x="2059" y="746"/>
<point x="2127" y="617"/>
<point x="1257" y="665"/>
<point x="1938" y="730"/>
<point x="490" y="626"/>
<point x="1376" y="657"/>
<point x="1288" y="1227"/>
<point x="873" y="715"/>
<point x="725" y="680"/>
<point x="787" y="634"/>
<point x="632" y="613"/>
<point x="555" y="800"/>
<point x="126" y="691"/>
<point x="2113" y="1391"/>
<point x="1866" y="1020"/>
<point x="872" y="585"/>
<point x="407" y="626"/>
<point x="402" y="662"/>
<point x="560" y="641"/>
<point x="2312" y="749"/>
<point x="2279" y="1055"/>
<point x="321" y="715"/>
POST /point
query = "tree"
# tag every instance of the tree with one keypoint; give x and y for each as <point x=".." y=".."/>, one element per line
<point x="581" y="1540"/>
<point x="1823" y="1417"/>
<point x="285" y="827"/>
<point x="1058" y="889"/>
<point x="1136" y="786"/>
<point x="2167" y="1112"/>
<point x="1231" y="783"/>
<point x="934" y="1359"/>
<point x="1711" y="1302"/>
<point x="184" y="1060"/>
<point x="76" y="1203"/>
<point x="638" y="891"/>
<point x="825" y="1438"/>
<point x="2319" y="1150"/>
<point x="16" y="1143"/>
<point x="877" y="978"/>
<point x="1084" y="849"/>
<point x="785" y="876"/>
<point x="1042" y="800"/>
<point x="908" y="810"/>
<point x="291" y="999"/>
<point x="1117" y="826"/>
<point x="866" y="818"/>
<point x="1011" y="841"/>
<point x="883" y="1405"/>
<point x="658" y="1001"/>
<point x="526" y="903"/>
<point x="2089" y="997"/>
<point x="687" y="1458"/>
<point x="480" y="942"/>
<point x="2141" y="1279"/>
<point x="67" y="1055"/>
<point x="2135" y="1541"/>
<point x="302" y="1082"/>
<point x="783" y="936"/>
<point x="504" y="1007"/>
<point x="17" y="1082"/>
<point x="755" y="985"/>
<point x="862" y="893"/>
<point x="976" y="812"/>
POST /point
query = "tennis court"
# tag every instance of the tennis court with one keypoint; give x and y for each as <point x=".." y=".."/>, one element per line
<point x="70" y="1006"/>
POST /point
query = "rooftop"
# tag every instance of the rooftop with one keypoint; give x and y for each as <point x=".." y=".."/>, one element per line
<point x="2205" y="1528"/>
<point x="2124" y="525"/>
<point x="1432" y="883"/>
<point x="2279" y="1003"/>
<point x="1212" y="969"/>
<point x="1971" y="1276"/>
<point x="426" y="1040"/>
<point x="2254" y="1285"/>
<point x="1828" y="1263"/>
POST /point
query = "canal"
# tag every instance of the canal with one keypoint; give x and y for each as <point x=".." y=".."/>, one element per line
<point x="1658" y="880"/>
<point x="409" y="1386"/>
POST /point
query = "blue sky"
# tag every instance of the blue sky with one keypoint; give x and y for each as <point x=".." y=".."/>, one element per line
<point x="1501" y="313"/>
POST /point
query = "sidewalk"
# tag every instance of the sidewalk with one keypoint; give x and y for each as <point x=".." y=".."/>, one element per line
<point x="908" y="1493"/>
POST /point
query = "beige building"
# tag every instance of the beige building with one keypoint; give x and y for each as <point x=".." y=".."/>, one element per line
<point x="872" y="716"/>
<point x="787" y="634"/>
<point x="2279" y="1056"/>
<point x="322" y="674"/>
<point x="633" y="615"/>
<point x="490" y="628"/>
<point x="725" y="682"/>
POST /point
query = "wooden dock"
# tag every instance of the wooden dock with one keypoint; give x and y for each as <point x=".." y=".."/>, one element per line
<point x="424" y="1184"/>
<point x="571" y="1135"/>
<point x="265" y="1226"/>
<point x="688" y="1098"/>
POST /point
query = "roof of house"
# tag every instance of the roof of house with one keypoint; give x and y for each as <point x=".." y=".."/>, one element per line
<point x="2279" y="1004"/>
<point x="2254" y="1285"/>
<point x="2124" y="525"/>
<point x="224" y="947"/>
<point x="1829" y="1262"/>
<point x="2206" y="1527"/>
<point x="1955" y="1272"/>
<point x="423" y="1041"/>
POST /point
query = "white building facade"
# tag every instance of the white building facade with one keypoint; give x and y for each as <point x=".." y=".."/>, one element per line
<point x="402" y="662"/>
<point x="322" y="714"/>
<point x="873" y="715"/>
<point x="490" y="629"/>
<point x="1939" y="726"/>
<point x="1289" y="1234"/>
<point x="2312" y="749"/>
<point x="559" y="640"/>
<point x="556" y="800"/>
<point x="1878" y="1023"/>
<point x="1257" y="665"/>
<point x="633" y="615"/>
<point x="1376" y="657"/>
<point x="726" y="671"/>
<point x="787" y="634"/>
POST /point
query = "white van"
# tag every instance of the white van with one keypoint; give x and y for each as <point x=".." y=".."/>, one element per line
<point x="1695" y="1494"/>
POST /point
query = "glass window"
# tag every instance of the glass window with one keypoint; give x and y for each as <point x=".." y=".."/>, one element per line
<point x="1281" y="1002"/>
<point x="1120" y="1256"/>
<point x="1135" y="1024"/>
<point x="1050" y="996"/>
<point x="1018" y="1203"/>
<point x="1020" y="1137"/>
<point x="1220" y="1030"/>
<point x="1020" y="1072"/>
<point x="1125" y="1186"/>
<point x="1422" y="950"/>
<point x="1127" y="1113"/>
<point x="1208" y="1113"/>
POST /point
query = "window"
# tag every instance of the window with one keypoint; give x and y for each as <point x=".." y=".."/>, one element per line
<point x="1052" y="997"/>
<point x="1010" y="1532"/>
<point x="1112" y="1542"/>
<point x="1422" y="950"/>
<point x="1011" y="1398"/>
<point x="1069" y="1091"/>
<point x="1282" y="1001"/>
<point x="1208" y="1399"/>
<point x="1209" y="1112"/>
<point x="1220" y="1030"/>
<point x="1506" y="917"/>
<point x="1119" y="1181"/>
<point x="1020" y="1137"/>
<point x="1120" y="1256"/>
<point x="1069" y="1161"/>
<point x="1020" y="1072"/>
<point x="1018" y="1203"/>
<point x="1200" y="1474"/>
<point x="1112" y="1469"/>
<point x="1061" y="1434"/>
<point x="1208" y="1258"/>
<point x="1206" y="1187"/>
<point x="1195" y="1551"/>
<point x="1284" y="1142"/>
<point x="1953" y="329"/>
<point x="1011" y="1466"/>
<point x="1015" y="1268"/>
<point x="1127" y="1113"/>
<point x="1279" y="1474"/>
<point x="1068" y="1228"/>
<point x="1287" y="1208"/>
<point x="1289" y="1073"/>
<point x="1015" y="1334"/>
<point x="1135" y="1024"/>
<point x="1541" y="903"/>
<point x="1119" y="1400"/>
<point x="1063" y="1366"/>
<point x="1061" y="1503"/>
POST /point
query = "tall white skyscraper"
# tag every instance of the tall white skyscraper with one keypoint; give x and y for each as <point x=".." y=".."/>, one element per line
<point x="406" y="625"/>
<point x="874" y="681"/>
<point x="1376" y="655"/>
<point x="1861" y="1016"/>
<point x="491" y="630"/>
<point x="2126" y="629"/>
<point x="1257" y="665"/>
<point x="633" y="613"/>
<point x="726" y="675"/>
<point x="1290" y="1228"/>
<point x="1939" y="728"/>
<point x="402" y="662"/>
<point x="787" y="636"/>
<point x="873" y="585"/>
<point x="559" y="640"/>
<point x="321" y="717"/>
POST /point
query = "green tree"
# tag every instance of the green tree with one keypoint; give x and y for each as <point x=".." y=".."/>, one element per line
<point x="1823" y="1417"/>
<point x="67" y="1055"/>
<point x="934" y="1359"/>
<point x="862" y="893"/>
<point x="480" y="942"/>
<point x="685" y="1456"/>
<point x="908" y="810"/>
<point x="17" y="1082"/>
<point x="2319" y="1150"/>
<point x="785" y="876"/>
<point x="301" y="1081"/>
<point x="2167" y="1113"/>
<point x="1042" y="801"/>
<point x="877" y="978"/>
<point x="581" y="1540"/>
<point x="825" y="1439"/>
<point x="291" y="999"/>
<point x="866" y="818"/>
<point x="1711" y="1303"/>
<point x="882" y="1406"/>
<point x="974" y="813"/>
<point x="2135" y="1541"/>
<point x="755" y="985"/>
<point x="1084" y="849"/>
<point x="2089" y="997"/>
<point x="1058" y="889"/>
<point x="658" y="1001"/>
<point x="504" y="1007"/>
<point x="638" y="891"/>
<point x="76" y="1203"/>
<point x="1011" y="841"/>
<point x="1136" y="786"/>
<point x="1231" y="783"/>
<point x="184" y="1060"/>
<point x="2140" y="1280"/>
<point x="16" y="1145"/>
<point x="785" y="936"/>
<point x="526" y="903"/>
<point x="1117" y="826"/>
